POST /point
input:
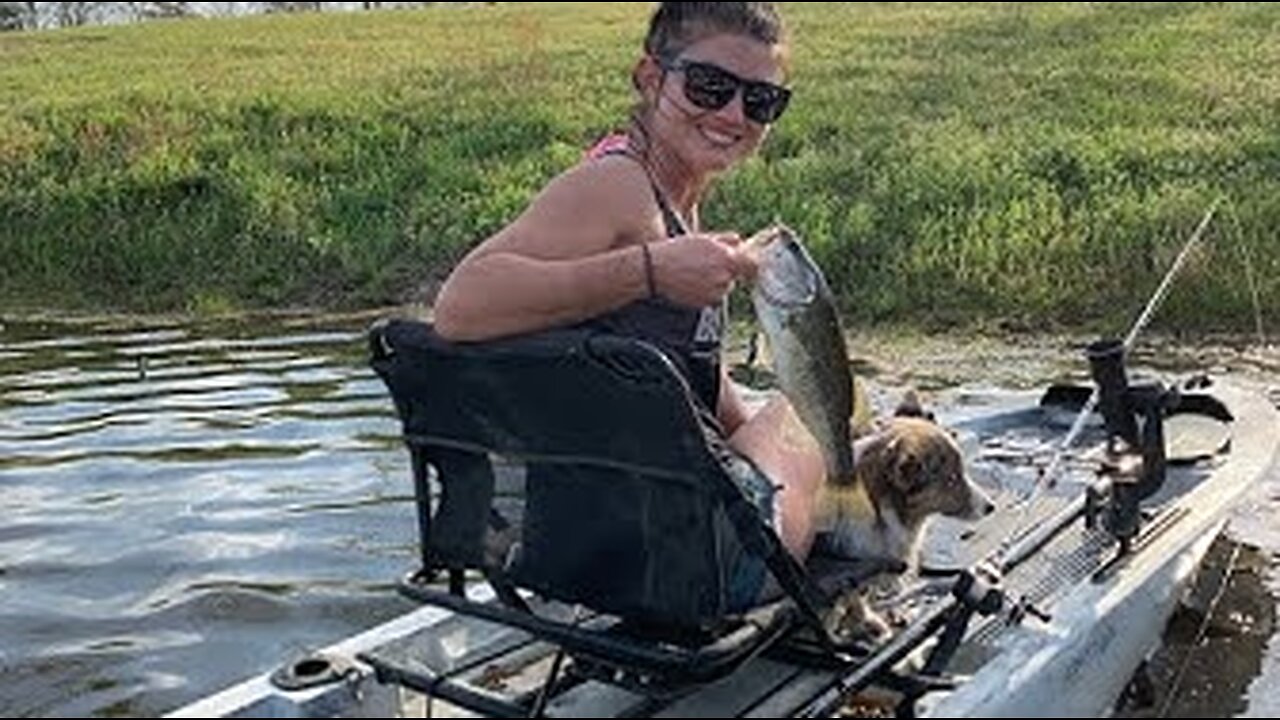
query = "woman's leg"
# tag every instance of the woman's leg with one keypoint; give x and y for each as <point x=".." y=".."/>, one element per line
<point x="778" y="443"/>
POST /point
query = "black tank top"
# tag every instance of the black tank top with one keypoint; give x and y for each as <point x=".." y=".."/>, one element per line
<point x="689" y="335"/>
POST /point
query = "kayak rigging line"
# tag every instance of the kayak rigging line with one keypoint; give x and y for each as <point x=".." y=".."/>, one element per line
<point x="1175" y="686"/>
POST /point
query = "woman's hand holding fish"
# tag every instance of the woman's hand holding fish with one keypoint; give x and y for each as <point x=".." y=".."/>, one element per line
<point x="699" y="269"/>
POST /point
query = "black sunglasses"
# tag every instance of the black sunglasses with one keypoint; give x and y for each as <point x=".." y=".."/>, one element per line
<point x="711" y="87"/>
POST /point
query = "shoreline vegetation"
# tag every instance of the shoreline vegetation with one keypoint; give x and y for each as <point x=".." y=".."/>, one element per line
<point x="1029" y="166"/>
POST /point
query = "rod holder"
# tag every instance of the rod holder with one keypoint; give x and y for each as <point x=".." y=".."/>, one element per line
<point x="1106" y="365"/>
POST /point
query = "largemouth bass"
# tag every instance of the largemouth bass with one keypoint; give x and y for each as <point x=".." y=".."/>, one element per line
<point x="797" y="315"/>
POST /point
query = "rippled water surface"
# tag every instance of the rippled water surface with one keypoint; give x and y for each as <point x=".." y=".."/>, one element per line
<point x="183" y="505"/>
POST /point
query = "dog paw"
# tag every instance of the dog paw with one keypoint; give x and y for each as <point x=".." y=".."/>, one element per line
<point x="853" y="620"/>
<point x="876" y="627"/>
<point x="896" y="617"/>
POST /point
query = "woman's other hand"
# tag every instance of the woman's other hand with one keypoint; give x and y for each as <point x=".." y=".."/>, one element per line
<point x="699" y="269"/>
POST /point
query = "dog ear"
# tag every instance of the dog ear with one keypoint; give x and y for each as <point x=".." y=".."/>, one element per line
<point x="910" y="406"/>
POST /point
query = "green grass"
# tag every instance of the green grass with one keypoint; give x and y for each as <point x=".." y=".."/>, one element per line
<point x="948" y="163"/>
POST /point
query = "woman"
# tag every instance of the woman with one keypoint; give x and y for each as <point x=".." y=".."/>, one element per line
<point x="616" y="242"/>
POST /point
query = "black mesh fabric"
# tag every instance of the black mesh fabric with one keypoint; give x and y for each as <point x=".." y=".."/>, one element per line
<point x="573" y="463"/>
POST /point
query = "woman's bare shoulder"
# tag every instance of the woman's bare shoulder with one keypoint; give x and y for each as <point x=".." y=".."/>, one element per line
<point x="616" y="186"/>
<point x="592" y="207"/>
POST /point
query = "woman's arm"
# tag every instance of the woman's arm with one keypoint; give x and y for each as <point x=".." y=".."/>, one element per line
<point x="572" y="255"/>
<point x="505" y="293"/>
<point x="568" y="257"/>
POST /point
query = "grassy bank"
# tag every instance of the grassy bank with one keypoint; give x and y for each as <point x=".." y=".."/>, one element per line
<point x="947" y="162"/>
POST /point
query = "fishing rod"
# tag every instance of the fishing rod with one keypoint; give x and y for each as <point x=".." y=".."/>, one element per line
<point x="1010" y="554"/>
<point x="1030" y="539"/>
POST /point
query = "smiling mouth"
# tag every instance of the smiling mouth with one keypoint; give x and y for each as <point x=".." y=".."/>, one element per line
<point x="719" y="139"/>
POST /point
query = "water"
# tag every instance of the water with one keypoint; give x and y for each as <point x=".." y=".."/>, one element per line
<point x="185" y="505"/>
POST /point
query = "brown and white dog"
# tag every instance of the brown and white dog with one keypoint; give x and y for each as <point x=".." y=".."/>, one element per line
<point x="908" y="471"/>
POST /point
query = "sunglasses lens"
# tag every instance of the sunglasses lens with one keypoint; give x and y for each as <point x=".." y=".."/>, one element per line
<point x="764" y="103"/>
<point x="709" y="87"/>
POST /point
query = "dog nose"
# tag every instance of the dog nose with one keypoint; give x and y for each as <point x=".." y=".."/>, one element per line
<point x="988" y="507"/>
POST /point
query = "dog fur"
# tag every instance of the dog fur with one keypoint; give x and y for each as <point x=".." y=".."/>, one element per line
<point x="909" y="471"/>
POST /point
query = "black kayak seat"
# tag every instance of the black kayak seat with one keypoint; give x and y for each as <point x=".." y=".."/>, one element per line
<point x="577" y="466"/>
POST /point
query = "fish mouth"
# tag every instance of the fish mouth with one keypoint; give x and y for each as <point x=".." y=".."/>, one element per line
<point x="765" y="236"/>
<point x="796" y="288"/>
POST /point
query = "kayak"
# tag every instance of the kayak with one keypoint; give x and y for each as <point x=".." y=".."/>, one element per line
<point x="1045" y="608"/>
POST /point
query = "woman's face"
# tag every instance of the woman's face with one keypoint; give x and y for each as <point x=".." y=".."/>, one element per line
<point x="684" y="117"/>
